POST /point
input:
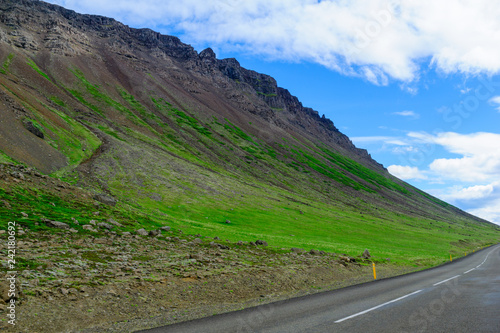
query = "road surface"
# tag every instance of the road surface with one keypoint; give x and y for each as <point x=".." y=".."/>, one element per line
<point x="462" y="296"/>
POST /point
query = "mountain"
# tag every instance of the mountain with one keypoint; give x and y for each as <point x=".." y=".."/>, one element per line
<point x="150" y="126"/>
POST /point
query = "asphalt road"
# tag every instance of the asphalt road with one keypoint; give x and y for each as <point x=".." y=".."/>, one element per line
<point x="462" y="296"/>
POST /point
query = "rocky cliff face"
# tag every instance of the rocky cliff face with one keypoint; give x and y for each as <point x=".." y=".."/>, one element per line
<point x="39" y="27"/>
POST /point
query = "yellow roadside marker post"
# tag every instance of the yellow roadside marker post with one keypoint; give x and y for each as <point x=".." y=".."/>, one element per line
<point x="451" y="258"/>
<point x="374" y="271"/>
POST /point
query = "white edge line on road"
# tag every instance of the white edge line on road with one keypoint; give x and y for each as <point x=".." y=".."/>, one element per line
<point x="413" y="293"/>
<point x="376" y="307"/>
<point x="435" y="284"/>
<point x="481" y="264"/>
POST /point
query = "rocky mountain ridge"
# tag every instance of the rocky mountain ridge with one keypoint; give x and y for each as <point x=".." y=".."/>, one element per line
<point x="38" y="26"/>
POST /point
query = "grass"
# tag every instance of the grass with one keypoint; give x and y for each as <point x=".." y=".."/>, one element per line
<point x="38" y="70"/>
<point x="332" y="173"/>
<point x="180" y="117"/>
<point x="183" y="118"/>
<point x="75" y="141"/>
<point x="130" y="99"/>
<point x="362" y="171"/>
<point x="79" y="96"/>
<point x="236" y="131"/>
<point x="5" y="66"/>
<point x="97" y="94"/>
<point x="38" y="203"/>
<point x="405" y="240"/>
<point x="4" y="158"/>
<point x="58" y="101"/>
<point x="266" y="95"/>
<point x="111" y="132"/>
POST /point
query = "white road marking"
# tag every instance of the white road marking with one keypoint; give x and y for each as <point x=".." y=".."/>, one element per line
<point x="435" y="284"/>
<point x="481" y="264"/>
<point x="413" y="293"/>
<point x="376" y="307"/>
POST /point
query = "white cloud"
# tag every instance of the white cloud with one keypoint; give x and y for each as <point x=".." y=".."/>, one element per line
<point x="495" y="100"/>
<point x="359" y="140"/>
<point x="469" y="193"/>
<point x="378" y="40"/>
<point x="489" y="212"/>
<point x="479" y="200"/>
<point x="479" y="160"/>
<point x="407" y="113"/>
<point x="480" y="143"/>
<point x="406" y="172"/>
<point x="405" y="150"/>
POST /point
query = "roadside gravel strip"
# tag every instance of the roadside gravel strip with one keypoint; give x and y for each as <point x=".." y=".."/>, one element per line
<point x="461" y="296"/>
<point x="112" y="283"/>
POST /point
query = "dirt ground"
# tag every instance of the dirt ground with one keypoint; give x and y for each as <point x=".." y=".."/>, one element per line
<point x="126" y="283"/>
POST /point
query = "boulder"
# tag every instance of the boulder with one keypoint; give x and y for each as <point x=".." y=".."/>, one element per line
<point x="197" y="257"/>
<point x="105" y="225"/>
<point x="297" y="250"/>
<point x="5" y="287"/>
<point x="105" y="199"/>
<point x="347" y="259"/>
<point x="88" y="227"/>
<point x="261" y="242"/>
<point x="18" y="175"/>
<point x="142" y="232"/>
<point x="165" y="228"/>
<point x="366" y="254"/>
<point x="154" y="233"/>
<point x="55" y="224"/>
<point x="33" y="129"/>
<point x="114" y="222"/>
<point x="220" y="246"/>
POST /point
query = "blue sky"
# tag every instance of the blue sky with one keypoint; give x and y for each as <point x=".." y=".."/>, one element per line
<point x="414" y="82"/>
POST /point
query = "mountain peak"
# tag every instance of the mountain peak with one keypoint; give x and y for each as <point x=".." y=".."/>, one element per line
<point x="207" y="53"/>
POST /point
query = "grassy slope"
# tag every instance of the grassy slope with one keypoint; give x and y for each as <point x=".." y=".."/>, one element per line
<point x="168" y="164"/>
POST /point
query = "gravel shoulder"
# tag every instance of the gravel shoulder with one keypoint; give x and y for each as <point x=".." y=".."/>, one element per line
<point x="125" y="283"/>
